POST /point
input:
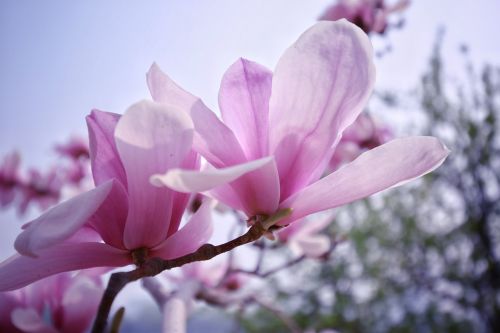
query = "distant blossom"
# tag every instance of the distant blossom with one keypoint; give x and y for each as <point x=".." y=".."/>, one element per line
<point x="305" y="236"/>
<point x="9" y="178"/>
<point x="364" y="134"/>
<point x="58" y="304"/>
<point x="43" y="189"/>
<point x="370" y="15"/>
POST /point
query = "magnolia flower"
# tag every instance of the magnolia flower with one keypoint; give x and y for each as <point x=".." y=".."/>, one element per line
<point x="9" y="178"/>
<point x="58" y="304"/>
<point x="280" y="130"/>
<point x="44" y="189"/>
<point x="131" y="217"/>
<point x="303" y="237"/>
<point x="369" y="15"/>
<point x="210" y="276"/>
<point x="364" y="134"/>
<point x="76" y="148"/>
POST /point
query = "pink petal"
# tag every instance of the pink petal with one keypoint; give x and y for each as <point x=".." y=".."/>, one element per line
<point x="79" y="303"/>
<point x="199" y="181"/>
<point x="259" y="190"/>
<point x="19" y="271"/>
<point x="29" y="320"/>
<point x="310" y="246"/>
<point x="305" y="227"/>
<point x="151" y="138"/>
<point x="386" y="166"/>
<point x="180" y="200"/>
<point x="109" y="220"/>
<point x="213" y="139"/>
<point x="175" y="315"/>
<point x="244" y="103"/>
<point x="8" y="302"/>
<point x="104" y="157"/>
<point x="62" y="221"/>
<point x="320" y="85"/>
<point x="189" y="238"/>
<point x="227" y="195"/>
<point x="315" y="225"/>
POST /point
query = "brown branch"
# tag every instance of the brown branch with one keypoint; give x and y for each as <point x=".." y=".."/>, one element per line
<point x="154" y="266"/>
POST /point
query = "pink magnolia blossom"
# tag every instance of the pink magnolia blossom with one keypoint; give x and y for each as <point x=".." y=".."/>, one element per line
<point x="369" y="15"/>
<point x="124" y="213"/>
<point x="280" y="130"/>
<point x="9" y="178"/>
<point x="76" y="148"/>
<point x="211" y="276"/>
<point x="69" y="302"/>
<point x="364" y="134"/>
<point x="304" y="238"/>
<point x="44" y="189"/>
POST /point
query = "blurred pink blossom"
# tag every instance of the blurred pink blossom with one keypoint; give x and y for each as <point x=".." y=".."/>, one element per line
<point x="364" y="134"/>
<point x="58" y="304"/>
<point x="369" y="15"/>
<point x="76" y="148"/>
<point x="134" y="219"/>
<point x="304" y="237"/>
<point x="211" y="276"/>
<point x="9" y="178"/>
<point x="42" y="189"/>
<point x="280" y="130"/>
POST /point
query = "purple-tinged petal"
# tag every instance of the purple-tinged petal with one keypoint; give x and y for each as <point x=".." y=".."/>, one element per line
<point x="104" y="157"/>
<point x="8" y="302"/>
<point x="189" y="238"/>
<point x="175" y="315"/>
<point x="259" y="190"/>
<point x="180" y="200"/>
<point x="320" y="85"/>
<point x="109" y="220"/>
<point x="244" y="103"/>
<point x="62" y="221"/>
<point x="388" y="165"/>
<point x="28" y="320"/>
<point x="305" y="227"/>
<point x="227" y="196"/>
<point x="19" y="271"/>
<point x="151" y="138"/>
<point x="79" y="303"/>
<point x="311" y="246"/>
<point x="198" y="181"/>
<point x="213" y="139"/>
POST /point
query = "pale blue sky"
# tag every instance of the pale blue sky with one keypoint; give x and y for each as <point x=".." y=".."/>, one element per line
<point x="59" y="59"/>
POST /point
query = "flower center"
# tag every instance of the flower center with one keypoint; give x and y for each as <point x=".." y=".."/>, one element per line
<point x="140" y="255"/>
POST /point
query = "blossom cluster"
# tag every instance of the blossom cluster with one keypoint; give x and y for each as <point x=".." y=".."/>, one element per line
<point x="43" y="188"/>
<point x="370" y="15"/>
<point x="276" y="147"/>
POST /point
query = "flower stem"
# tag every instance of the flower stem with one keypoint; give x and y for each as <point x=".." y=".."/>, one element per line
<point x="154" y="266"/>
